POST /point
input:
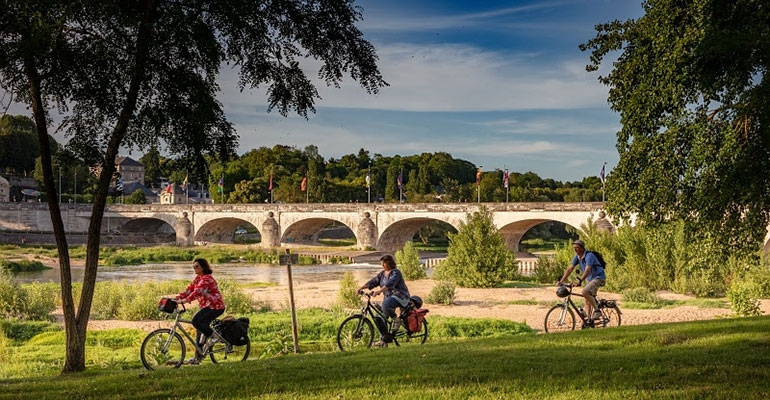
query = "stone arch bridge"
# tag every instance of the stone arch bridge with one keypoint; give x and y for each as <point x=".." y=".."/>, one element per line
<point x="384" y="227"/>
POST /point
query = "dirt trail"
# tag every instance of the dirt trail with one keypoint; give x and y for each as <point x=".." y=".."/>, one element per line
<point x="473" y="303"/>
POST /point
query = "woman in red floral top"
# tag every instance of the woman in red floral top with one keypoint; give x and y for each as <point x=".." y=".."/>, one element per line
<point x="204" y="289"/>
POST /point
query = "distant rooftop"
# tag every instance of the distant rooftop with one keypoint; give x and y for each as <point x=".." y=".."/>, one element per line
<point x="128" y="161"/>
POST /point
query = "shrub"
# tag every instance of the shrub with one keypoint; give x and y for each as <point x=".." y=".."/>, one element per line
<point x="346" y="294"/>
<point x="25" y="330"/>
<point x="442" y="293"/>
<point x="236" y="299"/>
<point x="641" y="295"/>
<point x="22" y="265"/>
<point x="551" y="269"/>
<point x="29" y="302"/>
<point x="741" y="300"/>
<point x="408" y="260"/>
<point x="477" y="256"/>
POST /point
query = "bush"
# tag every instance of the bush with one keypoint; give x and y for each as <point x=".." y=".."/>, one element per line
<point x="442" y="293"/>
<point x="641" y="295"/>
<point x="741" y="300"/>
<point x="22" y="265"/>
<point x="24" y="330"/>
<point x="551" y="269"/>
<point x="346" y="294"/>
<point x="477" y="256"/>
<point x="408" y="260"/>
<point x="27" y="302"/>
<point x="237" y="300"/>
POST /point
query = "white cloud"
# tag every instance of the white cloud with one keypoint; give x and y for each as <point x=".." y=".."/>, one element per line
<point x="552" y="125"/>
<point x="451" y="77"/>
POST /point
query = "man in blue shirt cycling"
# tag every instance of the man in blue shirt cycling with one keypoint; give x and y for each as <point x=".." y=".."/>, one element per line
<point x="593" y="274"/>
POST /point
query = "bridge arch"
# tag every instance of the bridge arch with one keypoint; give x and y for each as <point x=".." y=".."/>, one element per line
<point x="395" y="235"/>
<point x="514" y="231"/>
<point x="148" y="229"/>
<point x="223" y="230"/>
<point x="306" y="231"/>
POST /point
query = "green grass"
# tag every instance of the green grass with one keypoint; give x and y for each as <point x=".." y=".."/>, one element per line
<point x="720" y="359"/>
<point x="700" y="303"/>
<point x="437" y="245"/>
<point x="540" y="245"/>
<point x="338" y="242"/>
<point x="22" y="265"/>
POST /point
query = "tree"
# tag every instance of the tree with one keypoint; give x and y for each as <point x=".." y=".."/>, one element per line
<point x="139" y="73"/>
<point x="19" y="146"/>
<point x="691" y="87"/>
<point x="477" y="256"/>
<point x="408" y="260"/>
<point x="137" y="197"/>
<point x="391" y="182"/>
<point x="151" y="162"/>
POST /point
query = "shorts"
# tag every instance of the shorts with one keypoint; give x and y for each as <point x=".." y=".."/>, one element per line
<point x="593" y="287"/>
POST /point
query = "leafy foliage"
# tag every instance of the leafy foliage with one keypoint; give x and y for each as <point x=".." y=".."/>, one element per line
<point x="741" y="300"/>
<point x="442" y="293"/>
<point x="408" y="260"/>
<point x="346" y="294"/>
<point x="33" y="301"/>
<point x="477" y="256"/>
<point x="691" y="86"/>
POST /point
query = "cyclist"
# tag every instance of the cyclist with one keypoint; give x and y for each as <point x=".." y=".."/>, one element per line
<point x="592" y="273"/>
<point x="393" y="288"/>
<point x="203" y="288"/>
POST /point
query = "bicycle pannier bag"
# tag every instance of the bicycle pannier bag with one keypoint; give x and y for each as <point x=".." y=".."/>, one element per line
<point x="414" y="320"/>
<point x="167" y="305"/>
<point x="235" y="331"/>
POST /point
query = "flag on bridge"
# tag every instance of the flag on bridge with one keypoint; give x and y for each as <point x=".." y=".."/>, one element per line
<point x="119" y="186"/>
<point x="271" y="183"/>
<point x="220" y="184"/>
<point x="505" y="179"/>
<point x="601" y="174"/>
<point x="185" y="183"/>
<point x="368" y="180"/>
<point x="304" y="184"/>
<point x="400" y="179"/>
<point x="478" y="176"/>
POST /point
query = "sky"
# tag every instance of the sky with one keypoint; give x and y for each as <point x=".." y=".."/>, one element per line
<point x="501" y="84"/>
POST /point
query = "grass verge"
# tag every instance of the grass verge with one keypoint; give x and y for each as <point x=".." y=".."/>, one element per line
<point x="724" y="359"/>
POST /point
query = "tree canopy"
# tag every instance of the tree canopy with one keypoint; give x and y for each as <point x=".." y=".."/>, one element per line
<point x="692" y="89"/>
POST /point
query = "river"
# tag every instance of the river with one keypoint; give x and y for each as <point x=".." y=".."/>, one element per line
<point x="239" y="272"/>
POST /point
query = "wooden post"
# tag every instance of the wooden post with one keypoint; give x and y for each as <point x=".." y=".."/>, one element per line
<point x="291" y="302"/>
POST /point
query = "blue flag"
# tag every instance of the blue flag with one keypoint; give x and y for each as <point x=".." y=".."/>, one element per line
<point x="400" y="180"/>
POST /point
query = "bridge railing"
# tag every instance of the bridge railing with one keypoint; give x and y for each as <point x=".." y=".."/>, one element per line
<point x="527" y="265"/>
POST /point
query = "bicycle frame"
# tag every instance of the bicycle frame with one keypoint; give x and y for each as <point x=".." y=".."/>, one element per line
<point x="178" y="321"/>
<point x="370" y="311"/>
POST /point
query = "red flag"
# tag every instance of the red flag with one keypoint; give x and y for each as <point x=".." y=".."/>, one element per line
<point x="168" y="188"/>
<point x="271" y="182"/>
<point x="478" y="177"/>
<point x="505" y="179"/>
<point x="304" y="183"/>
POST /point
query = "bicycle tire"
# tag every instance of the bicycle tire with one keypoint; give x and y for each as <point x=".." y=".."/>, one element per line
<point x="609" y="317"/>
<point x="570" y="326"/>
<point x="421" y="337"/>
<point x="153" y="357"/>
<point x="354" y="330"/>
<point x="239" y="353"/>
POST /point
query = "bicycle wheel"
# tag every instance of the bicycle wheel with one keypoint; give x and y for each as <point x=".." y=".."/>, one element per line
<point x="559" y="319"/>
<point x="162" y="350"/>
<point x="223" y="352"/>
<point x="402" y="336"/>
<point x="610" y="317"/>
<point x="355" y="332"/>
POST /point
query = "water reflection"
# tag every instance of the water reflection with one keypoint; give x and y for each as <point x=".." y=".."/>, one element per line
<point x="242" y="273"/>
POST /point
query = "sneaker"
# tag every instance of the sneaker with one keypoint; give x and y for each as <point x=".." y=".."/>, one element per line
<point x="396" y="324"/>
<point x="597" y="315"/>
<point x="380" y="343"/>
<point x="193" y="361"/>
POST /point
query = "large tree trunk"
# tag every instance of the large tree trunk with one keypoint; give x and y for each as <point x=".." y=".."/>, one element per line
<point x="75" y="359"/>
<point x="77" y="323"/>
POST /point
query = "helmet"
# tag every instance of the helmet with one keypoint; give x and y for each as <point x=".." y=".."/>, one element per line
<point x="417" y="301"/>
<point x="562" y="291"/>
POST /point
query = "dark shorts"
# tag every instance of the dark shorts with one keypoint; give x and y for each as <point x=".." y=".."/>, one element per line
<point x="593" y="287"/>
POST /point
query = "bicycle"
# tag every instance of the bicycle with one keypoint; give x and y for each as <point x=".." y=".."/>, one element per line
<point x="357" y="330"/>
<point x="561" y="317"/>
<point x="165" y="348"/>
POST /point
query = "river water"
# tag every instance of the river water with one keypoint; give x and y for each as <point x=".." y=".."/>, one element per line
<point x="239" y="272"/>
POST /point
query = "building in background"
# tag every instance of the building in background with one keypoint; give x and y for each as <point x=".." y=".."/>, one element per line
<point x="130" y="170"/>
<point x="175" y="194"/>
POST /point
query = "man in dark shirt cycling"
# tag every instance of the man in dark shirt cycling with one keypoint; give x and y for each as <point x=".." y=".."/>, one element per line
<point x="592" y="274"/>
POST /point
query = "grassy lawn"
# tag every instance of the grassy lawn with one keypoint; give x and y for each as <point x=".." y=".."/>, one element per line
<point x="719" y="359"/>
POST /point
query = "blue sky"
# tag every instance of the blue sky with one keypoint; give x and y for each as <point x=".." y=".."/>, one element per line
<point x="499" y="83"/>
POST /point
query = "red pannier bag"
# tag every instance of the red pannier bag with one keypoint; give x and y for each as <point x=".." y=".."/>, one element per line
<point x="414" y="320"/>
